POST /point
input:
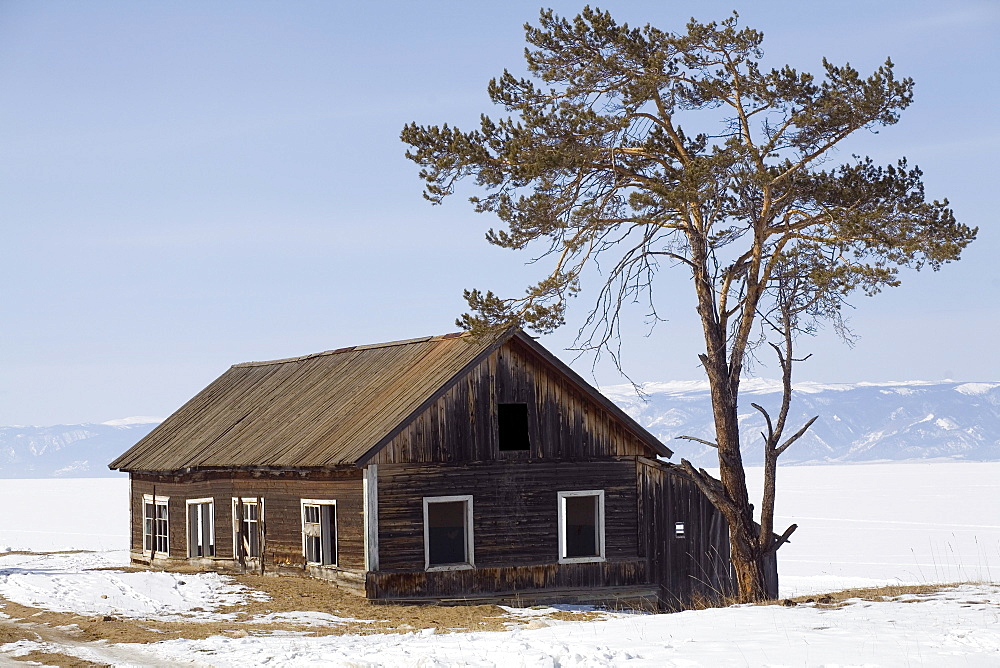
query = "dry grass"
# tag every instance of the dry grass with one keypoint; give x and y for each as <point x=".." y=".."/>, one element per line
<point x="61" y="660"/>
<point x="875" y="594"/>
<point x="833" y="599"/>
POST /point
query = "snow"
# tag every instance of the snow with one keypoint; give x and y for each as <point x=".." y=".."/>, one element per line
<point x="935" y="630"/>
<point x="67" y="583"/>
<point x="135" y="419"/>
<point x="976" y="388"/>
<point x="859" y="525"/>
<point x="955" y="627"/>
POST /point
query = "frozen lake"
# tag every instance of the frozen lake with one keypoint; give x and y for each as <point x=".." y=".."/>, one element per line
<point x="859" y="524"/>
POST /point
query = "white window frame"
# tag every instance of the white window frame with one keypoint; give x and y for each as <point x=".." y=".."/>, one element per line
<point x="236" y="528"/>
<point x="469" y="534"/>
<point x="336" y="548"/>
<point x="149" y="539"/>
<point x="561" y="510"/>
<point x="187" y="525"/>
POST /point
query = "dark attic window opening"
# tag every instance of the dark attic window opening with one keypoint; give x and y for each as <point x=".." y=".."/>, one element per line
<point x="512" y="425"/>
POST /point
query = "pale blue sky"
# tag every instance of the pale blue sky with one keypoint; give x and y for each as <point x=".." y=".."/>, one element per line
<point x="187" y="185"/>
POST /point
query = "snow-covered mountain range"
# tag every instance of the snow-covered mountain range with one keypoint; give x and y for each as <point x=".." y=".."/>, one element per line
<point x="68" y="450"/>
<point x="859" y="422"/>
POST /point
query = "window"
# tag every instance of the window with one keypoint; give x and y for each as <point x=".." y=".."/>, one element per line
<point x="581" y="526"/>
<point x="247" y="528"/>
<point x="201" y="527"/>
<point x="154" y="523"/>
<point x="448" y="543"/>
<point x="319" y="532"/>
<point x="678" y="529"/>
<point x="512" y="427"/>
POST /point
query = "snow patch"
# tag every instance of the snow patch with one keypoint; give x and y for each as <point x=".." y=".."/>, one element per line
<point x="78" y="466"/>
<point x="136" y="419"/>
<point x="946" y="424"/>
<point x="69" y="583"/>
<point x="976" y="388"/>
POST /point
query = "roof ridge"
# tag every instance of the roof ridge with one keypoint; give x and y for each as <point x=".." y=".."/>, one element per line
<point x="336" y="351"/>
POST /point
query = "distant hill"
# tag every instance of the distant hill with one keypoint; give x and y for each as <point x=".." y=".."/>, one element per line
<point x="68" y="450"/>
<point x="860" y="422"/>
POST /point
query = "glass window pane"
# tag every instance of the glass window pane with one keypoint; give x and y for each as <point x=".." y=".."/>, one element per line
<point x="581" y="526"/>
<point x="446" y="533"/>
<point x="312" y="514"/>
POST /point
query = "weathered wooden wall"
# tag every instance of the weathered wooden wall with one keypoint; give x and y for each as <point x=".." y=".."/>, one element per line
<point x="515" y="520"/>
<point x="695" y="565"/>
<point x="282" y="493"/>
<point x="563" y="422"/>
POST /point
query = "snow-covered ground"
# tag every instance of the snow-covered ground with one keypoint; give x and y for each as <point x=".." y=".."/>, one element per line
<point x="960" y="627"/>
<point x="860" y="525"/>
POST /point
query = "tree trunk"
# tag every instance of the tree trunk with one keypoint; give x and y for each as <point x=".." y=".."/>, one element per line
<point x="744" y="549"/>
<point x="747" y="558"/>
<point x="748" y="563"/>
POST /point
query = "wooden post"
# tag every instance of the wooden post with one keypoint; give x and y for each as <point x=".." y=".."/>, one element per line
<point x="370" y="486"/>
<point x="261" y="534"/>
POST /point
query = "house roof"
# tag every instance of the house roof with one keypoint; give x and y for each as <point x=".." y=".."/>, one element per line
<point x="328" y="409"/>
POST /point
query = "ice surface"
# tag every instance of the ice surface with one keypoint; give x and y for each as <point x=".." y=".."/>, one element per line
<point x="67" y="514"/>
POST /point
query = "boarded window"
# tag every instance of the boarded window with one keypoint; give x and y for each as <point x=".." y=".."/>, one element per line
<point x="154" y="524"/>
<point x="512" y="427"/>
<point x="201" y="528"/>
<point x="319" y="532"/>
<point x="581" y="525"/>
<point x="448" y="531"/>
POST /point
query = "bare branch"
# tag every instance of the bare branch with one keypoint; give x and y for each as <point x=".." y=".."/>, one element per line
<point x="797" y="435"/>
<point x="770" y="429"/>
<point x="783" y="538"/>
<point x="699" y="440"/>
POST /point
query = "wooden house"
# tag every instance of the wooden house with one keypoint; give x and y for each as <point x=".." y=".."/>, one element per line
<point x="438" y="468"/>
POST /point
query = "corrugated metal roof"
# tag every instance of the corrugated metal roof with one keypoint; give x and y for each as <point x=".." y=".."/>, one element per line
<point x="318" y="410"/>
<point x="322" y="410"/>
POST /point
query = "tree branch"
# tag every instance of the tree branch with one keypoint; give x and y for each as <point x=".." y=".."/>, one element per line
<point x="783" y="538"/>
<point x="699" y="440"/>
<point x="797" y="435"/>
